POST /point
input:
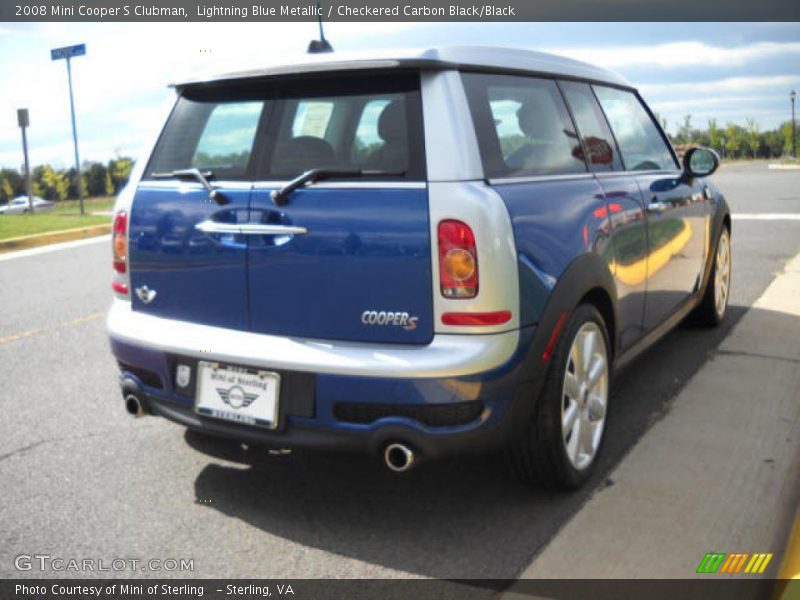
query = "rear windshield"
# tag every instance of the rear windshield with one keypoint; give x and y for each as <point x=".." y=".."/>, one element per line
<point x="277" y="130"/>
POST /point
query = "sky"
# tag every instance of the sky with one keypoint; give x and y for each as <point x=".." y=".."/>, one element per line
<point x="727" y="71"/>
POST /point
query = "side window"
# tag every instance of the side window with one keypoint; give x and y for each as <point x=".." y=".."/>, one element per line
<point x="640" y="142"/>
<point x="367" y="138"/>
<point x="227" y="138"/>
<point x="522" y="125"/>
<point x="597" y="140"/>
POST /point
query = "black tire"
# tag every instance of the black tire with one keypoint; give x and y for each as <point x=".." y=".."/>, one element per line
<point x="707" y="313"/>
<point x="539" y="457"/>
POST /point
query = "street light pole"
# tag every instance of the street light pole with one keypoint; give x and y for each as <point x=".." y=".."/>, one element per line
<point x="793" y="95"/>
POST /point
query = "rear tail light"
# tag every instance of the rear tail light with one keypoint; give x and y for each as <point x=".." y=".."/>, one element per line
<point x="458" y="260"/>
<point x="120" y="242"/>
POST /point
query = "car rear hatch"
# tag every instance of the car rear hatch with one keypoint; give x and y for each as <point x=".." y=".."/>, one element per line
<point x="345" y="258"/>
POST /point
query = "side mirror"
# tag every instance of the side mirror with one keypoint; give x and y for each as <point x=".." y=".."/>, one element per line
<point x="700" y="162"/>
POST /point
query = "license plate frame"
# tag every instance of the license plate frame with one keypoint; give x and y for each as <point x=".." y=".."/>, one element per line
<point x="236" y="394"/>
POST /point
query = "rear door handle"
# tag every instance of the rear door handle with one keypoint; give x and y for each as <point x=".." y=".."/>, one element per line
<point x="249" y="228"/>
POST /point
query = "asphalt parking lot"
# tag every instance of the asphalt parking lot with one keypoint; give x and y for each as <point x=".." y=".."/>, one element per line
<point x="80" y="478"/>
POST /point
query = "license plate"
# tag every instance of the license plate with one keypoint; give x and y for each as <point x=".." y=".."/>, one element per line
<point x="237" y="394"/>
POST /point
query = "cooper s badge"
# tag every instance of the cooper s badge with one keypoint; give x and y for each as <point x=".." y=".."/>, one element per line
<point x="393" y="319"/>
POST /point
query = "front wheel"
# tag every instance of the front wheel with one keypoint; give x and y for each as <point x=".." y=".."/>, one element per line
<point x="712" y="308"/>
<point x="560" y="446"/>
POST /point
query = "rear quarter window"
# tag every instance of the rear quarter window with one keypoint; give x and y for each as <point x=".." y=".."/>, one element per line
<point x="598" y="143"/>
<point x="523" y="127"/>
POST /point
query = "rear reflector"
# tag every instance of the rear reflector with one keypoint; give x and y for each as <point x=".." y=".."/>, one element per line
<point x="490" y="318"/>
<point x="458" y="260"/>
<point x="551" y="343"/>
<point x="119" y="287"/>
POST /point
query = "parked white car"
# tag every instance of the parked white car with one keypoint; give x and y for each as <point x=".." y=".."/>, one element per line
<point x="19" y="205"/>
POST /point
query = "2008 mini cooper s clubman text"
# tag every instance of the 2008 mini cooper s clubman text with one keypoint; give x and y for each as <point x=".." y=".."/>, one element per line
<point x="412" y="255"/>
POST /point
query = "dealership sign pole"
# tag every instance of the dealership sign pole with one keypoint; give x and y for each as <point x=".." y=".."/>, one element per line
<point x="24" y="121"/>
<point x="68" y="52"/>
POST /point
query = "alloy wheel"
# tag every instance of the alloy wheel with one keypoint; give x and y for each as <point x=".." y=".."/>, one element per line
<point x="585" y="396"/>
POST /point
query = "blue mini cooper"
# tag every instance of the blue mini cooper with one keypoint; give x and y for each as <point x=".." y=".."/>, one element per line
<point x="411" y="255"/>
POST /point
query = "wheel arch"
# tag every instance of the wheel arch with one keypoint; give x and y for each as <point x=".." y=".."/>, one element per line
<point x="600" y="299"/>
<point x="586" y="279"/>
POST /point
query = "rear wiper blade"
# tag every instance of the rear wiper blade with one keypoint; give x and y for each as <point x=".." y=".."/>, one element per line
<point x="281" y="196"/>
<point x="195" y="175"/>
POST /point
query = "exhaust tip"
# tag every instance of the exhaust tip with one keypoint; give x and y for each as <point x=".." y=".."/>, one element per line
<point x="134" y="406"/>
<point x="399" y="457"/>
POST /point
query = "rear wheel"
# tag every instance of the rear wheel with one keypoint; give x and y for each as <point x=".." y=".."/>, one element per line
<point x="560" y="446"/>
<point x="711" y="310"/>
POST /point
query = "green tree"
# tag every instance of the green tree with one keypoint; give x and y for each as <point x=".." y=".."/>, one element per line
<point x="54" y="184"/>
<point x="734" y="140"/>
<point x="15" y="180"/>
<point x="752" y="137"/>
<point x="108" y="187"/>
<point x="786" y="134"/>
<point x="685" y="130"/>
<point x="714" y="135"/>
<point x="6" y="189"/>
<point x="772" y="143"/>
<point x="120" y="170"/>
<point x="96" y="176"/>
<point x="73" y="181"/>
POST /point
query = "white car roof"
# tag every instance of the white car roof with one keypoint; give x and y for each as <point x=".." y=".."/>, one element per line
<point x="472" y="58"/>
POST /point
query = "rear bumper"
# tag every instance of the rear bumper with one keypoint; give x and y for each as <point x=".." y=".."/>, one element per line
<point x="501" y="383"/>
<point x="430" y="444"/>
<point x="448" y="355"/>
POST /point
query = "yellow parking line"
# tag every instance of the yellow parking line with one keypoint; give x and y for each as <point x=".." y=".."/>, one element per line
<point x="790" y="568"/>
<point x="789" y="575"/>
<point x="12" y="337"/>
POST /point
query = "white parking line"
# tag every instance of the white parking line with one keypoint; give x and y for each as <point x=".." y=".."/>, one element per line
<point x="766" y="216"/>
<point x="54" y="247"/>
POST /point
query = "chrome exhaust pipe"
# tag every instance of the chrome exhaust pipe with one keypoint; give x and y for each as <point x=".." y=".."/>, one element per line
<point x="134" y="406"/>
<point x="399" y="457"/>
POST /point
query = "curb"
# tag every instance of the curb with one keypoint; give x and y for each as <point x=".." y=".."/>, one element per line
<point x="784" y="167"/>
<point x="52" y="237"/>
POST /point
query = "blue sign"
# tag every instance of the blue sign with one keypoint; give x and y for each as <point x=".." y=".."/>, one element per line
<point x="68" y="51"/>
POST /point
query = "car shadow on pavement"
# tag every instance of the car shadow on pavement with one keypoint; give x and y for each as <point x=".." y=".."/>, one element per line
<point x="458" y="518"/>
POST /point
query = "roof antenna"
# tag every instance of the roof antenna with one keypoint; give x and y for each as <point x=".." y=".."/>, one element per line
<point x="320" y="45"/>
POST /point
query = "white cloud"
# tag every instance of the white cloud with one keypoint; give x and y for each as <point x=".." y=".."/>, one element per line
<point x="680" y="54"/>
<point x="728" y="85"/>
<point x="709" y="102"/>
